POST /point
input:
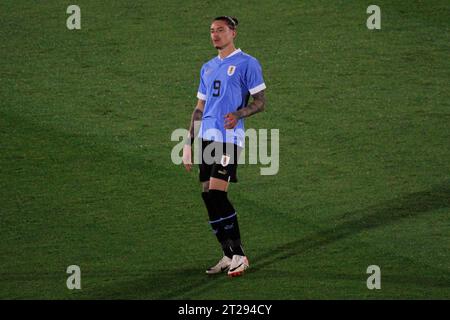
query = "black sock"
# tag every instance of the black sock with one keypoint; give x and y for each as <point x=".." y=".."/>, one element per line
<point x="229" y="219"/>
<point x="226" y="248"/>
<point x="236" y="246"/>
<point x="217" y="225"/>
<point x="231" y="229"/>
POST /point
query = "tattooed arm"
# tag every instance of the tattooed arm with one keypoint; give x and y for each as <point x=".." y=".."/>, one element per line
<point x="257" y="105"/>
<point x="197" y="115"/>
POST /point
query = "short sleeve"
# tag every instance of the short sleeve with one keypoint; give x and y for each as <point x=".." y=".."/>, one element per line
<point x="201" y="93"/>
<point x="254" y="77"/>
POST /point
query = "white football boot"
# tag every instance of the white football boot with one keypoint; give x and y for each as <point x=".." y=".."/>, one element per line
<point x="238" y="265"/>
<point x="222" y="266"/>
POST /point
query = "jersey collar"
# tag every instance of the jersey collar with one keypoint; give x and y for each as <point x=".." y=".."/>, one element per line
<point x="230" y="55"/>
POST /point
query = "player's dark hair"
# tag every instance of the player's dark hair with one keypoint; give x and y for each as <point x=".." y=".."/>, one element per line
<point x="232" y="22"/>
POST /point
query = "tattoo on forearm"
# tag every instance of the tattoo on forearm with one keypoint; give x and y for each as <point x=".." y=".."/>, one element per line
<point x="257" y="105"/>
<point x="196" y="116"/>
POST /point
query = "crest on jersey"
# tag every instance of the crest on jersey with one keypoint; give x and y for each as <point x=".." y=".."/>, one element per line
<point x="225" y="160"/>
<point x="231" y="70"/>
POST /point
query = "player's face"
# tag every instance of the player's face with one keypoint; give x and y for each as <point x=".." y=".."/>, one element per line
<point x="221" y="34"/>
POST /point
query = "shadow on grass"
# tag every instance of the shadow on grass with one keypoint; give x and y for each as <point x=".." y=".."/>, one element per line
<point x="183" y="283"/>
<point x="354" y="222"/>
<point x="159" y="285"/>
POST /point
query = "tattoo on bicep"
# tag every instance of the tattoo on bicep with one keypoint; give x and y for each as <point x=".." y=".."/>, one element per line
<point x="257" y="105"/>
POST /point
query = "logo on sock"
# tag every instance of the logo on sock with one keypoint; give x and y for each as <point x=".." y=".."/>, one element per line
<point x="228" y="226"/>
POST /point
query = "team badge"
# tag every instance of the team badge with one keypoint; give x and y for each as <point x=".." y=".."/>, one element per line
<point x="231" y="70"/>
<point x="225" y="160"/>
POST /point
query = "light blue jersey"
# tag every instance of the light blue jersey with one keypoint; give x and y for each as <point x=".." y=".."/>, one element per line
<point x="226" y="85"/>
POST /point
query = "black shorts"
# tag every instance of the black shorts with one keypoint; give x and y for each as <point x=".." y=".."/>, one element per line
<point x="219" y="161"/>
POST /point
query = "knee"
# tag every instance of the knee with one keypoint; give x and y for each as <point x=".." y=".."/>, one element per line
<point x="220" y="199"/>
<point x="217" y="196"/>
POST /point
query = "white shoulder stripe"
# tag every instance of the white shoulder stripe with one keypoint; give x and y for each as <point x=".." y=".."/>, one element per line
<point x="257" y="89"/>
<point x="201" y="96"/>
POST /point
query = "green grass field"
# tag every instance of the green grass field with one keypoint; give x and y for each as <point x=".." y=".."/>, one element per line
<point x="86" y="176"/>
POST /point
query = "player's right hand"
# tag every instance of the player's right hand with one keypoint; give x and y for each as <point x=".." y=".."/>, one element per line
<point x="187" y="157"/>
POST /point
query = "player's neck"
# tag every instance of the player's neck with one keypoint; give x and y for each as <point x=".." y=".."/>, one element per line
<point x="225" y="52"/>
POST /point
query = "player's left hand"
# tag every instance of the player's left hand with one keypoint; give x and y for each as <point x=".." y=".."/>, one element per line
<point x="230" y="121"/>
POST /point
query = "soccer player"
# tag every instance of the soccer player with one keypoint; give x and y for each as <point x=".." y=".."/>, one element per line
<point x="226" y="83"/>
